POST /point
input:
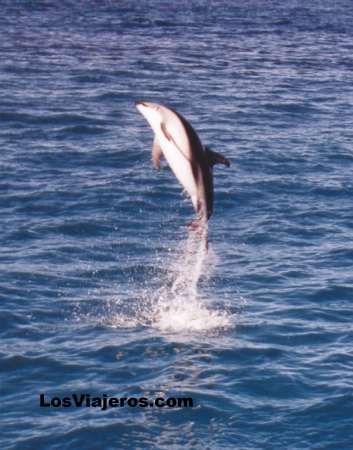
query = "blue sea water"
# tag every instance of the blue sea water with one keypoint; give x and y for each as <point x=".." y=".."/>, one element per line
<point x="104" y="290"/>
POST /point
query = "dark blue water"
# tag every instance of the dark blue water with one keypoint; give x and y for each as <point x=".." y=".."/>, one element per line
<point x="103" y="289"/>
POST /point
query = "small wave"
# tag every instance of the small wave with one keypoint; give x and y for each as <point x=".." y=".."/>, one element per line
<point x="292" y="108"/>
<point x="82" y="129"/>
<point x="49" y="119"/>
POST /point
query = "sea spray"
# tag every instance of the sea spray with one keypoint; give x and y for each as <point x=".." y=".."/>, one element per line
<point x="170" y="298"/>
<point x="188" y="267"/>
<point x="179" y="306"/>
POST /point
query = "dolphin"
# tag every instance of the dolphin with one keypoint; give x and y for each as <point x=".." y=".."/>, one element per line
<point x="191" y="162"/>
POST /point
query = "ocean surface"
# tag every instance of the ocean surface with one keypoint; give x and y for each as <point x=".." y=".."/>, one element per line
<point x="104" y="290"/>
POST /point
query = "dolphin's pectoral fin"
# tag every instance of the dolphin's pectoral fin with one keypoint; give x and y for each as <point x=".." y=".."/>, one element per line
<point x="170" y="138"/>
<point x="156" y="153"/>
<point x="166" y="133"/>
<point x="215" y="158"/>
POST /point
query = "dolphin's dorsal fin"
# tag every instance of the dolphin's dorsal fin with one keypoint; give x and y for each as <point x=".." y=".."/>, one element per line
<point x="215" y="158"/>
<point x="156" y="153"/>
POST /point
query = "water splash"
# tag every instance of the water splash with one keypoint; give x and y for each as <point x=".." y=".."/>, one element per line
<point x="171" y="299"/>
<point x="178" y="305"/>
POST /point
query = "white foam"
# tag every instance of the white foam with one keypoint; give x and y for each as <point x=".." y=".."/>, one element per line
<point x="189" y="315"/>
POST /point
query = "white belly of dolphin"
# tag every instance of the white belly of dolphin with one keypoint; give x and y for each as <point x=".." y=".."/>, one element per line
<point x="180" y="166"/>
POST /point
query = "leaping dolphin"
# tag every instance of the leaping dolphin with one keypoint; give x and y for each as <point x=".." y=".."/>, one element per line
<point x="191" y="162"/>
